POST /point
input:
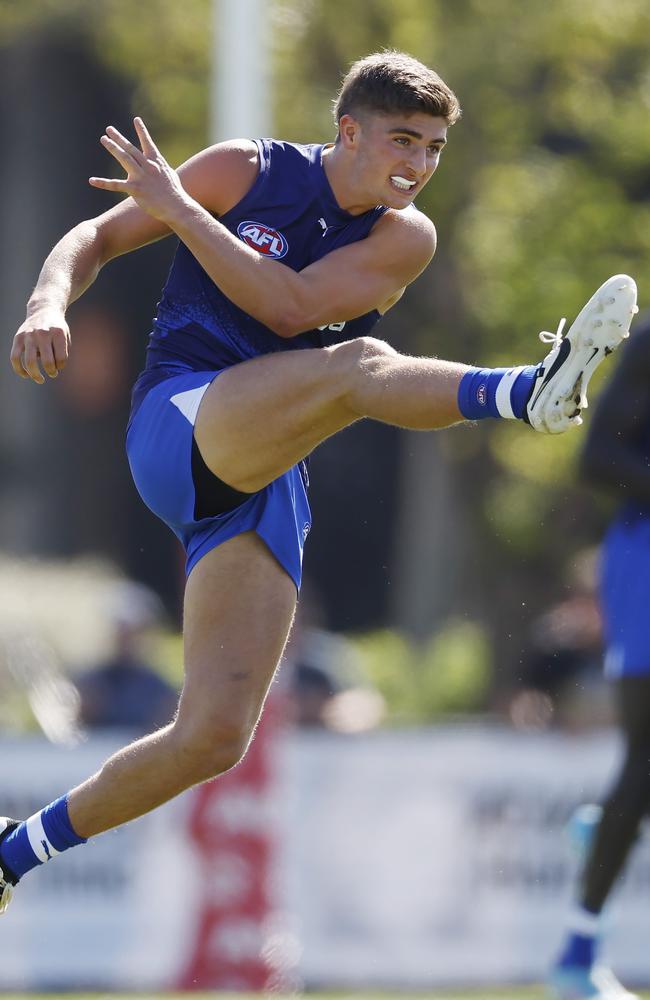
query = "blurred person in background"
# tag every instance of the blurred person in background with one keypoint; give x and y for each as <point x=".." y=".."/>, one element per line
<point x="310" y="681"/>
<point x="560" y="681"/>
<point x="124" y="691"/>
<point x="289" y="255"/>
<point x="616" y="457"/>
<point x="323" y="676"/>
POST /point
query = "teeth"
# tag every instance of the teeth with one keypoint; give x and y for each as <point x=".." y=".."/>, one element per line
<point x="401" y="182"/>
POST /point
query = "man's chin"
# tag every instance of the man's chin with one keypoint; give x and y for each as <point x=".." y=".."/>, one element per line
<point x="399" y="200"/>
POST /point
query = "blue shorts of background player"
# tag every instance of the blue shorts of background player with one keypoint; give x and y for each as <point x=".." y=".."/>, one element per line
<point x="624" y="590"/>
<point x="203" y="512"/>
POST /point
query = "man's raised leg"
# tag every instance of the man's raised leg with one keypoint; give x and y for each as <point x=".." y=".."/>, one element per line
<point x="259" y="418"/>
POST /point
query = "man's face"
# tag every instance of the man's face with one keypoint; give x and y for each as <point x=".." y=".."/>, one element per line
<point x="395" y="154"/>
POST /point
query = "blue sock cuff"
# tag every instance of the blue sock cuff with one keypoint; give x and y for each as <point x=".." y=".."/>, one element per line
<point x="57" y="825"/>
<point x="475" y="400"/>
<point x="21" y="852"/>
<point x="522" y="390"/>
<point x="580" y="949"/>
<point x="16" y="852"/>
<point x="477" y="392"/>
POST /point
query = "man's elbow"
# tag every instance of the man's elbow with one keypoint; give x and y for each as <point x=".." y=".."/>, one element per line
<point x="290" y="320"/>
<point x="284" y="327"/>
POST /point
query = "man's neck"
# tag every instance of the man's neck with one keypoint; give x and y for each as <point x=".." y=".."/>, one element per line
<point x="339" y="172"/>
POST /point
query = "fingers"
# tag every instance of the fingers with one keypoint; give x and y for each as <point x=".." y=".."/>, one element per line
<point x="45" y="354"/>
<point x="109" y="184"/>
<point x="123" y="156"/>
<point x="29" y="361"/>
<point x="115" y="142"/>
<point x="149" y="147"/>
<point x="17" y="360"/>
<point x="130" y="158"/>
<point x="119" y="140"/>
<point x="60" y="341"/>
<point x="38" y="351"/>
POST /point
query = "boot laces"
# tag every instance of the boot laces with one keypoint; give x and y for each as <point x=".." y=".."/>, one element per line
<point x="553" y="338"/>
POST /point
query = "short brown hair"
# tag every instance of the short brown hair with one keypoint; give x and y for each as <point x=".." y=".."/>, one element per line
<point x="393" y="81"/>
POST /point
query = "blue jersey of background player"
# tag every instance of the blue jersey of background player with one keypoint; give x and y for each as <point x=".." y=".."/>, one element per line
<point x="250" y="368"/>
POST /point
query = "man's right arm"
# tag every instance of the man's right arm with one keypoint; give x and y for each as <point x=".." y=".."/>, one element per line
<point x="616" y="454"/>
<point x="42" y="341"/>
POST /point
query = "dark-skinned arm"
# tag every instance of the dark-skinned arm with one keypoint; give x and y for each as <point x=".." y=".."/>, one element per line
<point x="616" y="455"/>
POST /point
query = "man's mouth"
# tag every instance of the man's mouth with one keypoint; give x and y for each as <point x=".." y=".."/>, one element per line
<point x="401" y="183"/>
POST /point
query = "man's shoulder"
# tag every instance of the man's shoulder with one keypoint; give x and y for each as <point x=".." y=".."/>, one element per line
<point x="410" y="227"/>
<point x="298" y="152"/>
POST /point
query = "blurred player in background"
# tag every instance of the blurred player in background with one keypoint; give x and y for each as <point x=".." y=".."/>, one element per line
<point x="288" y="256"/>
<point x="617" y="457"/>
<point x="124" y="691"/>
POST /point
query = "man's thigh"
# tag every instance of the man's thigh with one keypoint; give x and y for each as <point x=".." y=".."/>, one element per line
<point x="259" y="418"/>
<point x="239" y="606"/>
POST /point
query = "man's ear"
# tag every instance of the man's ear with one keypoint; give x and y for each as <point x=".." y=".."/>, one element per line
<point x="349" y="129"/>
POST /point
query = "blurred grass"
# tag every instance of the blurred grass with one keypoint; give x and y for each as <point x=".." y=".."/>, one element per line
<point x="510" y="993"/>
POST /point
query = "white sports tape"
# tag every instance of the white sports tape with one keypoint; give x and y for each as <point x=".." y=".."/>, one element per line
<point x="583" y="922"/>
<point x="502" y="395"/>
<point x="38" y="841"/>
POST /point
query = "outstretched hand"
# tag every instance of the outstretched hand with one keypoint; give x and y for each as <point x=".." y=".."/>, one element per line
<point x="150" y="180"/>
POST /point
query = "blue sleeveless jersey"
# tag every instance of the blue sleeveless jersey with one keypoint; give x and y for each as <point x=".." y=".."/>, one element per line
<point x="291" y="215"/>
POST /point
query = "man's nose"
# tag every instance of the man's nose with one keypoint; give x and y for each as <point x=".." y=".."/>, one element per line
<point x="418" y="162"/>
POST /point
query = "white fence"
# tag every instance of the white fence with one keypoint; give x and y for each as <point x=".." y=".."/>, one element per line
<point x="400" y="859"/>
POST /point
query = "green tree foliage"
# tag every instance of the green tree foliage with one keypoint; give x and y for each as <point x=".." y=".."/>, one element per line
<point x="161" y="49"/>
<point x="543" y="192"/>
<point x="449" y="674"/>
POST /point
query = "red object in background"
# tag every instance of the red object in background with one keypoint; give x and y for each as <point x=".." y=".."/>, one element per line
<point x="232" y="831"/>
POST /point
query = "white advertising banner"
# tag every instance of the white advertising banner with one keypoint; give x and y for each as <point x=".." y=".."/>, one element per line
<point x="107" y="913"/>
<point x="397" y="859"/>
<point x="440" y="857"/>
<point x="181" y="897"/>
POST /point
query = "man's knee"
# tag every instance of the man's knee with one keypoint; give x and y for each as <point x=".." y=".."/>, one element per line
<point x="208" y="747"/>
<point x="358" y="360"/>
<point x="365" y="351"/>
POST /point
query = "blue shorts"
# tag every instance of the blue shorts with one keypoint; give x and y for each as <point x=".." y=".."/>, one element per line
<point x="625" y="588"/>
<point x="159" y="449"/>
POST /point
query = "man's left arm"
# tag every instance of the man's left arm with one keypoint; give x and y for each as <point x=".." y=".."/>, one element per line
<point x="342" y="285"/>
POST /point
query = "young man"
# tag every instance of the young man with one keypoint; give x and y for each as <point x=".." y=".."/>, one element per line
<point x="260" y="350"/>
<point x="615" y="457"/>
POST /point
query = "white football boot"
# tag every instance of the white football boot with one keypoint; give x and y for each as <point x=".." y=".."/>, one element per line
<point x="7" y="882"/>
<point x="559" y="391"/>
<point x="597" y="983"/>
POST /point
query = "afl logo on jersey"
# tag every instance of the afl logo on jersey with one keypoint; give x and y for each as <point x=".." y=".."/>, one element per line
<point x="263" y="239"/>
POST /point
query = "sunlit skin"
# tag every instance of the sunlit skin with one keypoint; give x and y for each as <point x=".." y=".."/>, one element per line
<point x="375" y="153"/>
<point x="257" y="418"/>
<point x="374" y="148"/>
